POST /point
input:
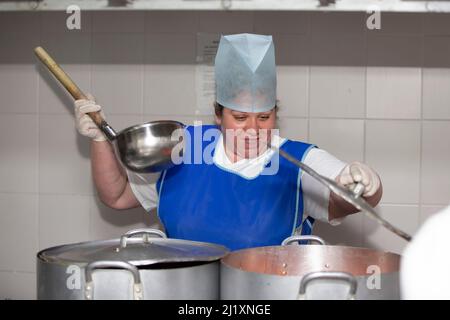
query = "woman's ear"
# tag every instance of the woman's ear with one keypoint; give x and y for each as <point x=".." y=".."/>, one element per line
<point x="218" y="119"/>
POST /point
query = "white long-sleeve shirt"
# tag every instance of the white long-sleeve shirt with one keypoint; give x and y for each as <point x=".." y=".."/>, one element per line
<point x="315" y="195"/>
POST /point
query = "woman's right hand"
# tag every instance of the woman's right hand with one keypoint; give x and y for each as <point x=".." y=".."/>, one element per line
<point x="83" y="122"/>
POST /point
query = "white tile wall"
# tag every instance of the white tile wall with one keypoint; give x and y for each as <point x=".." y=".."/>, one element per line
<point x="188" y="120"/>
<point x="117" y="72"/>
<point x="13" y="77"/>
<point x="394" y="62"/>
<point x="343" y="138"/>
<point x="403" y="102"/>
<point x="348" y="233"/>
<point x="292" y="93"/>
<point x="180" y="99"/>
<point x="106" y="223"/>
<point x="435" y="93"/>
<point x="375" y="95"/>
<point x="337" y="92"/>
<point x="435" y="162"/>
<point x="19" y="153"/>
<point x="74" y="52"/>
<point x="17" y="285"/>
<point x="393" y="150"/>
<point x="436" y="77"/>
<point x="63" y="219"/>
<point x="64" y="166"/>
<point x="118" y="88"/>
<point x="120" y="122"/>
<point x="19" y="231"/>
<point x="405" y="217"/>
<point x="294" y="128"/>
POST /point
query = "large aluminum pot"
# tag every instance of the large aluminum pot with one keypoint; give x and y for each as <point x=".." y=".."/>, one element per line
<point x="309" y="272"/>
<point x="131" y="267"/>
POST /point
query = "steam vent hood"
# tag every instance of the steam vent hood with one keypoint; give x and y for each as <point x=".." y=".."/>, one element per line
<point x="235" y="5"/>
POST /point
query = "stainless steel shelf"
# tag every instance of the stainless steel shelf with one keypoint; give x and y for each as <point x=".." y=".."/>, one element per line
<point x="222" y="5"/>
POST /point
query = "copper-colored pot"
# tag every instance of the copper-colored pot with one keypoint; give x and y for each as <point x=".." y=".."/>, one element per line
<point x="310" y="271"/>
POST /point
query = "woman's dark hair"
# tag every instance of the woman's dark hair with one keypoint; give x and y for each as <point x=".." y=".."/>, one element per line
<point x="218" y="108"/>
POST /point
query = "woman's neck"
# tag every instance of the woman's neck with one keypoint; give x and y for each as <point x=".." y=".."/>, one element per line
<point x="232" y="156"/>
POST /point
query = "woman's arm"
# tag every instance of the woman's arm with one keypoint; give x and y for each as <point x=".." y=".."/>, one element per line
<point x="322" y="204"/>
<point x="339" y="208"/>
<point x="351" y="174"/>
<point x="110" y="178"/>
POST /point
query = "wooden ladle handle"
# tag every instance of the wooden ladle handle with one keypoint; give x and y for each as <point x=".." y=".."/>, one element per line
<point x="65" y="80"/>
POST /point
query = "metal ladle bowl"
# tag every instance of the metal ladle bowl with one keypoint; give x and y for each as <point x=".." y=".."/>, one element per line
<point x="142" y="148"/>
<point x="148" y="147"/>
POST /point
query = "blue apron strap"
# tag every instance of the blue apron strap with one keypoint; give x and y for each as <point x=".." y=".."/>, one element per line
<point x="306" y="228"/>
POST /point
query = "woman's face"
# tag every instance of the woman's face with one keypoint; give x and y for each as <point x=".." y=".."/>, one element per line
<point x="246" y="134"/>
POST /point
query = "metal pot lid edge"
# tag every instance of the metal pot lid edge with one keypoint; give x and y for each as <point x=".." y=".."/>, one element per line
<point x="138" y="253"/>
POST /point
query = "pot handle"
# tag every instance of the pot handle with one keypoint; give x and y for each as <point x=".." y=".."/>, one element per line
<point x="293" y="239"/>
<point x="327" y="275"/>
<point x="138" y="292"/>
<point x="144" y="232"/>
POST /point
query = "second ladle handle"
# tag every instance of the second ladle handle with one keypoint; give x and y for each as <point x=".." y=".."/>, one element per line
<point x="347" y="195"/>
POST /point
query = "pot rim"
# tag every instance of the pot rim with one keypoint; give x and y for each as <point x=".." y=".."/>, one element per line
<point x="66" y="254"/>
<point x="284" y="260"/>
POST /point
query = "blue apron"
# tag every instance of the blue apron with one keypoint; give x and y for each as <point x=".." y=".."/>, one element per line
<point x="204" y="202"/>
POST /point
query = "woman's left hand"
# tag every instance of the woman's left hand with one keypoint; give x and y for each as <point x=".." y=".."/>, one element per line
<point x="359" y="172"/>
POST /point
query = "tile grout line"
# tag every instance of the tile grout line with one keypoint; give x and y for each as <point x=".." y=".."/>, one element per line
<point x="53" y="193"/>
<point x="144" y="67"/>
<point x="38" y="175"/>
<point x="419" y="218"/>
<point x="308" y="83"/>
<point x="61" y="113"/>
<point x="366" y="112"/>
<point x="91" y="77"/>
<point x="417" y="204"/>
<point x="17" y="271"/>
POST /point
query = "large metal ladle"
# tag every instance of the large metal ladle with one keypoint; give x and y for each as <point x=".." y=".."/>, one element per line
<point x="344" y="193"/>
<point x="142" y="148"/>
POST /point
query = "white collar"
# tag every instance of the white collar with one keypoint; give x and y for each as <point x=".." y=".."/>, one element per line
<point x="248" y="168"/>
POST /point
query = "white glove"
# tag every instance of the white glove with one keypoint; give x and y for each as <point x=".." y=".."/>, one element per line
<point x="359" y="172"/>
<point x="84" y="123"/>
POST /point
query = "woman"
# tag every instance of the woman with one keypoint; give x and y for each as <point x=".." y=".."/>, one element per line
<point x="246" y="196"/>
